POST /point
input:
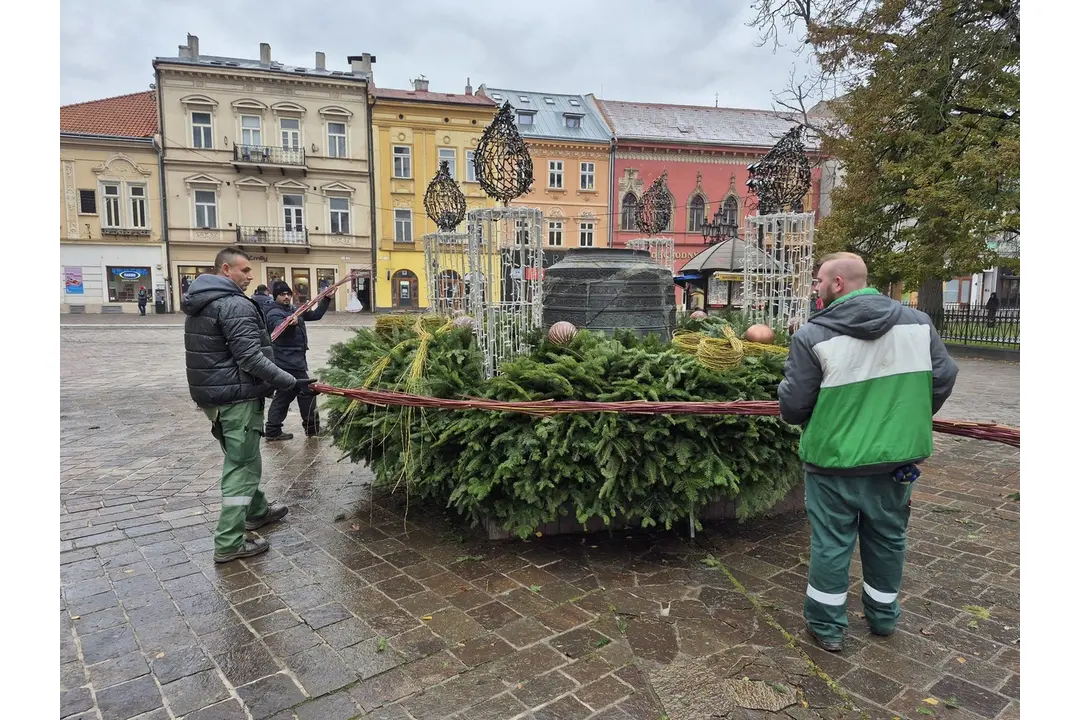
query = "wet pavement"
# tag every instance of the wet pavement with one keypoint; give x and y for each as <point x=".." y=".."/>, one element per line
<point x="367" y="608"/>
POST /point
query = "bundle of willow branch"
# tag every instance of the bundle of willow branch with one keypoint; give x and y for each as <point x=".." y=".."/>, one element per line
<point x="308" y="305"/>
<point x="381" y="398"/>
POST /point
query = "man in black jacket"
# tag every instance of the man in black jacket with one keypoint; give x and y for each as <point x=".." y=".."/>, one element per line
<point x="290" y="354"/>
<point x="230" y="371"/>
<point x="262" y="296"/>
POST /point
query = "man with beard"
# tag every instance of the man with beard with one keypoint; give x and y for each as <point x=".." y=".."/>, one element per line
<point x="866" y="375"/>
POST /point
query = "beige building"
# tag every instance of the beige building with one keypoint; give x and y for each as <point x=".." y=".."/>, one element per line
<point x="110" y="205"/>
<point x="272" y="158"/>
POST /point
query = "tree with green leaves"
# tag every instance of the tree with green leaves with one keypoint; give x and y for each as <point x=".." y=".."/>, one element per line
<point x="926" y="126"/>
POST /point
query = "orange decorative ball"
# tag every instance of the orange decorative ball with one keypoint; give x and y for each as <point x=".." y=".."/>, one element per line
<point x="699" y="315"/>
<point x="760" y="334"/>
<point x="462" y="321"/>
<point x="561" y="333"/>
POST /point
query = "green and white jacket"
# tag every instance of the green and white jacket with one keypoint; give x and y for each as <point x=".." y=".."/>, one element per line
<point x="866" y="375"/>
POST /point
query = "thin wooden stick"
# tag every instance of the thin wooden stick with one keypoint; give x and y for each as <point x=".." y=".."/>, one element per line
<point x="309" y="304"/>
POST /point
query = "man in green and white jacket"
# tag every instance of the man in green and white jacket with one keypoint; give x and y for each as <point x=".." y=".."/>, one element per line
<point x="865" y="375"/>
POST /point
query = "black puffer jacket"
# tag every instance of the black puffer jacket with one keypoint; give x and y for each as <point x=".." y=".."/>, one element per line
<point x="265" y="303"/>
<point x="227" y="348"/>
<point x="290" y="349"/>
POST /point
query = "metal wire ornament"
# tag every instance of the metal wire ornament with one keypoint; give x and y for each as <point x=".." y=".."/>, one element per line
<point x="444" y="201"/>
<point x="502" y="162"/>
<point x="654" y="210"/>
<point x="781" y="179"/>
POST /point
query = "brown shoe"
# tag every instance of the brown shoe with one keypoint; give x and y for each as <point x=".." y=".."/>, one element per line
<point x="279" y="436"/>
<point x="273" y="513"/>
<point x="833" y="646"/>
<point x="248" y="549"/>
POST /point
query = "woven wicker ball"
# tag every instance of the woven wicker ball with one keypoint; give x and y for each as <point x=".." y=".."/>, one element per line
<point x="760" y="334"/>
<point x="462" y="321"/>
<point x="562" y="332"/>
<point x="699" y="315"/>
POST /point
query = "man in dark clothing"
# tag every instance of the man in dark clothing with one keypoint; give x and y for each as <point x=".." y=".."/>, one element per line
<point x="866" y="376"/>
<point x="230" y="371"/>
<point x="262" y="296"/>
<point x="290" y="354"/>
<point x="992" y="305"/>
<point x="143" y="296"/>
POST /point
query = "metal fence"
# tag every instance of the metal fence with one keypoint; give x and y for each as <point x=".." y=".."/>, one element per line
<point x="975" y="325"/>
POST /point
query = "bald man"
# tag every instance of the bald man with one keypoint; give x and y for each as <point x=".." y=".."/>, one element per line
<point x="865" y="375"/>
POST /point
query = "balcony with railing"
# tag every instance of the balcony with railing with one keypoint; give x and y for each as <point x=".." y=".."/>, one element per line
<point x="263" y="156"/>
<point x="264" y="236"/>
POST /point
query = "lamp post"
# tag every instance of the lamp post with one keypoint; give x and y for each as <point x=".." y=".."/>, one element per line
<point x="719" y="229"/>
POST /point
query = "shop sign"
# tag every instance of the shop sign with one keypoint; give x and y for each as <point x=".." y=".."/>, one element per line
<point x="129" y="273"/>
<point x="259" y="258"/>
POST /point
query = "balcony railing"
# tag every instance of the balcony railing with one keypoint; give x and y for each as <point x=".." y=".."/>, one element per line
<point x="263" y="235"/>
<point x="268" y="155"/>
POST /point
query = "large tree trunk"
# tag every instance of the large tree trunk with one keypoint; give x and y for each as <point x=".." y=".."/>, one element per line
<point x="931" y="296"/>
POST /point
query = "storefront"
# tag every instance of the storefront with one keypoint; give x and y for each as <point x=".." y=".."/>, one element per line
<point x="307" y="275"/>
<point x="107" y="278"/>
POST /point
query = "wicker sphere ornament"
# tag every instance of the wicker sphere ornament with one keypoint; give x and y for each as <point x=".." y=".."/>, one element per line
<point x="760" y="334"/>
<point x="653" y="214"/>
<point x="444" y="201"/>
<point x="699" y="315"/>
<point x="561" y="333"/>
<point x="781" y="179"/>
<point x="502" y="162"/>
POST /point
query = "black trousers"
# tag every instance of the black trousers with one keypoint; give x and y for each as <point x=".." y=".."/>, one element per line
<point x="279" y="408"/>
<point x="142" y="308"/>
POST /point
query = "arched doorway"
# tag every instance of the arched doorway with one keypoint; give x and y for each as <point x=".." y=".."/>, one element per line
<point x="452" y="290"/>
<point x="405" y="289"/>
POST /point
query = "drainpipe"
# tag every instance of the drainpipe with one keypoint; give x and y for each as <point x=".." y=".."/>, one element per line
<point x="371" y="190"/>
<point x="161" y="186"/>
<point x="612" y="210"/>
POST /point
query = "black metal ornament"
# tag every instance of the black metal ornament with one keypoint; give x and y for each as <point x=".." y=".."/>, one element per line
<point x="781" y="179"/>
<point x="444" y="201"/>
<point x="653" y="212"/>
<point x="502" y="162"/>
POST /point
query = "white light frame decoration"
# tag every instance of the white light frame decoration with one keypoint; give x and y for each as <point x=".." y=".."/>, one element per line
<point x="661" y="249"/>
<point x="778" y="267"/>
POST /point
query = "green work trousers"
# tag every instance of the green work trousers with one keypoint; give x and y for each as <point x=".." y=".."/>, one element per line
<point x="874" y="510"/>
<point x="238" y="428"/>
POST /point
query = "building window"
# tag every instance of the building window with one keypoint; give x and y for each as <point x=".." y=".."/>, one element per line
<point x="336" y="145"/>
<point x="696" y="216"/>
<point x="250" y="130"/>
<point x="293" y="209"/>
<point x="188" y="273"/>
<point x="588" y="176"/>
<point x="586" y="234"/>
<point x="110" y="205"/>
<point x="525" y="119"/>
<point x="627" y="218"/>
<point x="555" y="173"/>
<point x="522" y="232"/>
<point x="124" y="282"/>
<point x="205" y="209"/>
<point x="339" y="216"/>
<point x="137" y="198"/>
<point x="450" y="156"/>
<point x="87" y="202"/>
<point x="671" y="217"/>
<point x="555" y="233"/>
<point x="730" y="213"/>
<point x="403" y="226"/>
<point x="470" y="166"/>
<point x="572" y="121"/>
<point x="202" y="131"/>
<point x="402" y="161"/>
<point x="290" y="133"/>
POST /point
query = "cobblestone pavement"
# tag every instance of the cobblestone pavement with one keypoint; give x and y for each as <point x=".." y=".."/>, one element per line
<point x="358" y="612"/>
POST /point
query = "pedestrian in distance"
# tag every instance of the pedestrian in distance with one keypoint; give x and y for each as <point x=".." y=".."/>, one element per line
<point x="230" y="372"/>
<point x="866" y="376"/>
<point x="262" y="297"/>
<point x="290" y="354"/>
<point x="143" y="296"/>
<point x="992" y="306"/>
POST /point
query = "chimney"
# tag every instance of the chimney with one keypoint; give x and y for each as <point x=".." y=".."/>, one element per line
<point x="420" y="84"/>
<point x="468" y="86"/>
<point x="361" y="64"/>
<point x="185" y="52"/>
<point x="193" y="45"/>
<point x="264" y="53"/>
<point x="320" y="61"/>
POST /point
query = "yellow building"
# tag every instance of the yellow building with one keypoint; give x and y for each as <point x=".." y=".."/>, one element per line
<point x="272" y="158"/>
<point x="110" y="205"/>
<point x="571" y="152"/>
<point x="414" y="130"/>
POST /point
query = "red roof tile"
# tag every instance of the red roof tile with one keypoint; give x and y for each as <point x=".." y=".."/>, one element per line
<point x="433" y="97"/>
<point x="134" y="115"/>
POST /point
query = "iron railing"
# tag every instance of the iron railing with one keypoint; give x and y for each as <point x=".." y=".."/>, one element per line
<point x="268" y="155"/>
<point x="264" y="235"/>
<point x="975" y="325"/>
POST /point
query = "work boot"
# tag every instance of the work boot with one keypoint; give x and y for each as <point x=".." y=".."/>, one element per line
<point x="833" y="646"/>
<point x="273" y="513"/>
<point x="881" y="633"/>
<point x="248" y="549"/>
<point x="278" y="436"/>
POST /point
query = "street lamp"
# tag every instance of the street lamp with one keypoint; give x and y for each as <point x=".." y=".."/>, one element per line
<point x="724" y="226"/>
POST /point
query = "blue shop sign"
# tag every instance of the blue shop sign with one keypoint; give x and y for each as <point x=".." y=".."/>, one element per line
<point x="129" y="273"/>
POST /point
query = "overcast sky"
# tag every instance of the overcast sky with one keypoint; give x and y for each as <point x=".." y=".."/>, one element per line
<point x="673" y="51"/>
